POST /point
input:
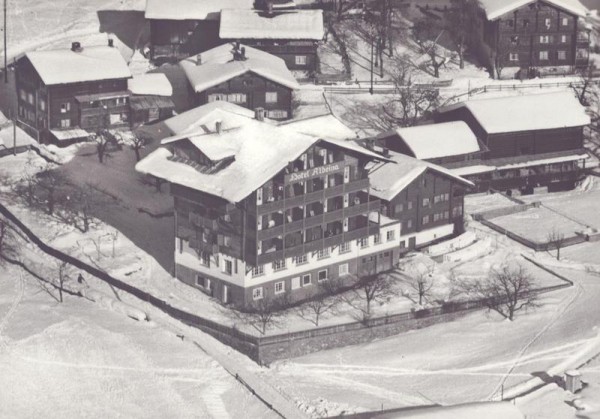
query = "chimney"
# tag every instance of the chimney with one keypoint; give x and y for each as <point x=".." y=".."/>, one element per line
<point x="199" y="59"/>
<point x="76" y="47"/>
<point x="243" y="53"/>
<point x="386" y="152"/>
<point x="269" y="7"/>
<point x="218" y="127"/>
<point x="259" y="114"/>
<point x="111" y="42"/>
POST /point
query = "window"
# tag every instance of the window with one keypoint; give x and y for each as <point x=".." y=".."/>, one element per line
<point x="562" y="55"/>
<point x="214" y="97"/>
<point x="115" y="118"/>
<point x="306" y="280"/>
<point x="258" y="270"/>
<point x="548" y="22"/>
<point x="543" y="55"/>
<point x="227" y="241"/>
<point x="65" y="107"/>
<point x="279" y="287"/>
<point x="345" y="247"/>
<point x="343" y="269"/>
<point x="205" y="258"/>
<point x="513" y="56"/>
<point x="409" y="224"/>
<point x="409" y="205"/>
<point x="437" y="199"/>
<point x="563" y="39"/>
<point x="426" y="219"/>
<point x="23" y="95"/>
<point x="228" y="267"/>
<point x="236" y="98"/>
<point x="323" y="253"/>
<point x="30" y="98"/>
<point x="399" y="208"/>
<point x="514" y="40"/>
<point x="296" y="283"/>
<point x="364" y="242"/>
<point x="271" y="97"/>
<point x="390" y="235"/>
<point x="277" y="114"/>
<point x="425" y="202"/>
<point x="436" y="217"/>
<point x="447" y="196"/>
<point x="257" y="293"/>
<point x="525" y="23"/>
<point x="402" y="244"/>
<point x="279" y="265"/>
<point x="544" y="39"/>
<point x="42" y="104"/>
<point x="300" y="59"/>
<point x="322" y="276"/>
<point x="377" y="239"/>
<point x="565" y="21"/>
<point x="301" y="260"/>
<point x="65" y="123"/>
<point x="457" y="211"/>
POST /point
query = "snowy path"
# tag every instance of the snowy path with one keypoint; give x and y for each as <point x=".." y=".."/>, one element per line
<point x="19" y="284"/>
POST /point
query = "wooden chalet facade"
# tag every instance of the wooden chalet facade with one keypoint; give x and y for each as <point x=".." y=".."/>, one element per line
<point x="310" y="220"/>
<point x="426" y="199"/>
<point x="292" y="35"/>
<point x="242" y="75"/>
<point x="64" y="95"/>
<point x="181" y="28"/>
<point x="542" y="37"/>
<point x="533" y="141"/>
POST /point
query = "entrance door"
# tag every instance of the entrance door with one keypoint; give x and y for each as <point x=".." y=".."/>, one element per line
<point x="412" y="243"/>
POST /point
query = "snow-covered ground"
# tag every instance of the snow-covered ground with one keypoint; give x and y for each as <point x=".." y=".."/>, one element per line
<point x="77" y="359"/>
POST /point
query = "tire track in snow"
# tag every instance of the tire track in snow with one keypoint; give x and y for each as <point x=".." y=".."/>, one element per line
<point x="20" y="290"/>
<point x="570" y="300"/>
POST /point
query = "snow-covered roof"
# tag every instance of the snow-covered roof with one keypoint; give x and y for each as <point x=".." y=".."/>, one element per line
<point x="217" y="66"/>
<point x="70" y="134"/>
<point x="388" y="180"/>
<point x="155" y="84"/>
<point x="439" y="140"/>
<point x="67" y="66"/>
<point x="261" y="149"/>
<point x="326" y="125"/>
<point x="496" y="8"/>
<point x="253" y="24"/>
<point x="488" y="410"/>
<point x="525" y="112"/>
<point x="192" y="9"/>
<point x="7" y="138"/>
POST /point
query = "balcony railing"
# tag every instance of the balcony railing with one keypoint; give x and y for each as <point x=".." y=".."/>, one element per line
<point x="319" y="244"/>
<point x="281" y="204"/>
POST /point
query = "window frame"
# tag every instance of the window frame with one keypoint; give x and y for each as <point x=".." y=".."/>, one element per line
<point x="258" y="293"/>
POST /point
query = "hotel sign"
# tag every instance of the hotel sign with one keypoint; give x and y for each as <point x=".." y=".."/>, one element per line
<point x="315" y="172"/>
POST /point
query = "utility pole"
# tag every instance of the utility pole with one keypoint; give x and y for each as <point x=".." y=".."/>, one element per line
<point x="5" y="51"/>
<point x="370" y="88"/>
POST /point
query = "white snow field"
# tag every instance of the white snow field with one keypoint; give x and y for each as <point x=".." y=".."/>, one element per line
<point x="77" y="359"/>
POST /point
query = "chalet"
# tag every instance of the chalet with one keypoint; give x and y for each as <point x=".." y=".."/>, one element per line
<point x="292" y="35"/>
<point x="262" y="209"/>
<point x="526" y="38"/>
<point x="532" y="141"/>
<point x="180" y="28"/>
<point x="443" y="143"/>
<point x="63" y="95"/>
<point x="150" y="98"/>
<point x="427" y="199"/>
<point x="242" y="75"/>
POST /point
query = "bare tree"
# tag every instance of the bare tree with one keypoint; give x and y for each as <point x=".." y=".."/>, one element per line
<point x="62" y="278"/>
<point x="556" y="240"/>
<point x="367" y="290"/>
<point x="264" y="313"/>
<point x="507" y="290"/>
<point x="81" y="203"/>
<point x="461" y="24"/>
<point x="500" y="57"/>
<point x="137" y="143"/>
<point x="586" y="89"/>
<point x="427" y="33"/>
<point x="322" y="299"/>
<point x="104" y="139"/>
<point x="49" y="189"/>
<point x="422" y="284"/>
<point x="410" y="103"/>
